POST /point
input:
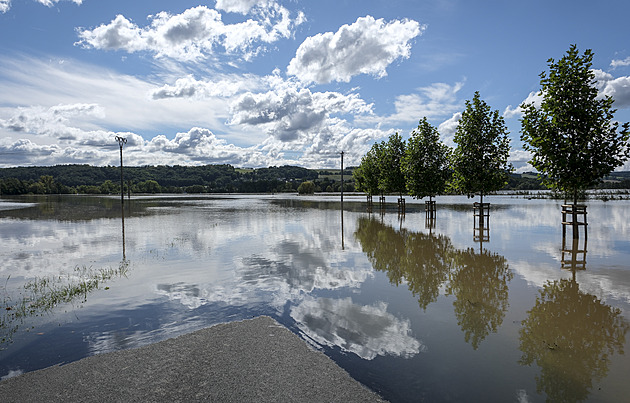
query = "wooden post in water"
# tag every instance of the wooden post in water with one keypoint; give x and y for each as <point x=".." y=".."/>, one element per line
<point x="481" y="222"/>
<point x="575" y="211"/>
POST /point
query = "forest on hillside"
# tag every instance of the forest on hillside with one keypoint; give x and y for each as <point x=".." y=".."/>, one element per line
<point x="87" y="179"/>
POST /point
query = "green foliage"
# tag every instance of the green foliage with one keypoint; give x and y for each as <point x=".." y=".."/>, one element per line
<point x="368" y="173"/>
<point x="391" y="178"/>
<point x="480" y="160"/>
<point x="306" y="187"/>
<point x="426" y="161"/>
<point x="571" y="135"/>
<point x="149" y="186"/>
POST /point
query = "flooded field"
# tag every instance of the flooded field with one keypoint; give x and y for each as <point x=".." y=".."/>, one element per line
<point x="415" y="310"/>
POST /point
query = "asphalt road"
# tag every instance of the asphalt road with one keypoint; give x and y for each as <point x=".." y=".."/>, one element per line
<point x="255" y="360"/>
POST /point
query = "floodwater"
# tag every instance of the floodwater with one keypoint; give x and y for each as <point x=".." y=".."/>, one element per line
<point x="448" y="313"/>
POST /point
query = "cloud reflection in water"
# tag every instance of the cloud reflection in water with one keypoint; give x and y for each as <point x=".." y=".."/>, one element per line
<point x="366" y="330"/>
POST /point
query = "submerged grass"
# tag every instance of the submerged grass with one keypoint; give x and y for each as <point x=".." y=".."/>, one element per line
<point x="42" y="294"/>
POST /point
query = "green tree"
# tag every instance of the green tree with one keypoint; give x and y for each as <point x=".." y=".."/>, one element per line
<point x="425" y="163"/>
<point x="307" y="187"/>
<point x="571" y="136"/>
<point x="367" y="175"/>
<point x="48" y="183"/>
<point x="149" y="186"/>
<point x="108" y="187"/>
<point x="480" y="160"/>
<point x="392" y="179"/>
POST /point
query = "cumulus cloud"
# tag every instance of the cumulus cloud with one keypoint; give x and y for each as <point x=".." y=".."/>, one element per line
<point x="368" y="46"/>
<point x="198" y="144"/>
<point x="533" y="98"/>
<point x="620" y="63"/>
<point x="617" y="88"/>
<point x="288" y="113"/>
<point x="520" y="160"/>
<point x="5" y="5"/>
<point x="189" y="87"/>
<point x="81" y="108"/>
<point x="192" y="35"/>
<point x="51" y="121"/>
<point x="448" y="128"/>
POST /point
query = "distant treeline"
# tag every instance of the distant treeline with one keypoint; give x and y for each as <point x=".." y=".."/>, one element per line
<point x="65" y="179"/>
<point x="163" y="179"/>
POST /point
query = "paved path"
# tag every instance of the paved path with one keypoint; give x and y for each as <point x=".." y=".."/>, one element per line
<point x="256" y="360"/>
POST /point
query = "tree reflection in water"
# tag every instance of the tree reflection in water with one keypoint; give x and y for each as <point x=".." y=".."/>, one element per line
<point x="479" y="281"/>
<point x="570" y="335"/>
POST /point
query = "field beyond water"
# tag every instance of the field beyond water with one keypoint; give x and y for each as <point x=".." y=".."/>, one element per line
<point x="415" y="310"/>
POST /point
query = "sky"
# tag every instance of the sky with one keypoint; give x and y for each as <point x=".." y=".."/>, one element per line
<point x="258" y="83"/>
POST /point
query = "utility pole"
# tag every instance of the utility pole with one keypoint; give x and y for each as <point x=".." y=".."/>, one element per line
<point x="342" y="179"/>
<point x="121" y="141"/>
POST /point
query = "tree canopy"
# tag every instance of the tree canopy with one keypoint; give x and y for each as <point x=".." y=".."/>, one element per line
<point x="571" y="135"/>
<point x="367" y="175"/>
<point x="426" y="162"/>
<point x="480" y="160"/>
<point x="392" y="178"/>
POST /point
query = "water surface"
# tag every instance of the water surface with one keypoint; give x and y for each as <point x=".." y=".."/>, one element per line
<point x="414" y="311"/>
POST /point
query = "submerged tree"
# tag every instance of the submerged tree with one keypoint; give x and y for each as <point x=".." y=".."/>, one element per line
<point x="367" y="175"/>
<point x="426" y="162"/>
<point x="572" y="137"/>
<point x="480" y="160"/>
<point x="392" y="178"/>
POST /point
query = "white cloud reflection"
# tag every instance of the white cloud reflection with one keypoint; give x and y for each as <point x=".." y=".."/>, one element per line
<point x="365" y="330"/>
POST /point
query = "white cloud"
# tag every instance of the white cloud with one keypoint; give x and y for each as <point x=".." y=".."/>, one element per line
<point x="241" y="6"/>
<point x="533" y="98"/>
<point x="288" y="113"/>
<point x="520" y="160"/>
<point x="189" y="87"/>
<point x="617" y="88"/>
<point x="367" y="46"/>
<point x="50" y="3"/>
<point x="5" y="5"/>
<point x="191" y="35"/>
<point x="448" y="128"/>
<point x="80" y="108"/>
<point x="435" y="100"/>
<point x="199" y="145"/>
<point x="125" y="101"/>
<point x="620" y="63"/>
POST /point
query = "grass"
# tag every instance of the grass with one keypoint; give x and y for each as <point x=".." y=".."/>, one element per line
<point x="42" y="294"/>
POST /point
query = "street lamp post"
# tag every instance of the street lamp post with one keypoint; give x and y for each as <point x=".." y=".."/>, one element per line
<point x="121" y="141"/>
<point x="342" y="179"/>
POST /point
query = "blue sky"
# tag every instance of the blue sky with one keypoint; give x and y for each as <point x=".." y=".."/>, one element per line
<point x="255" y="83"/>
